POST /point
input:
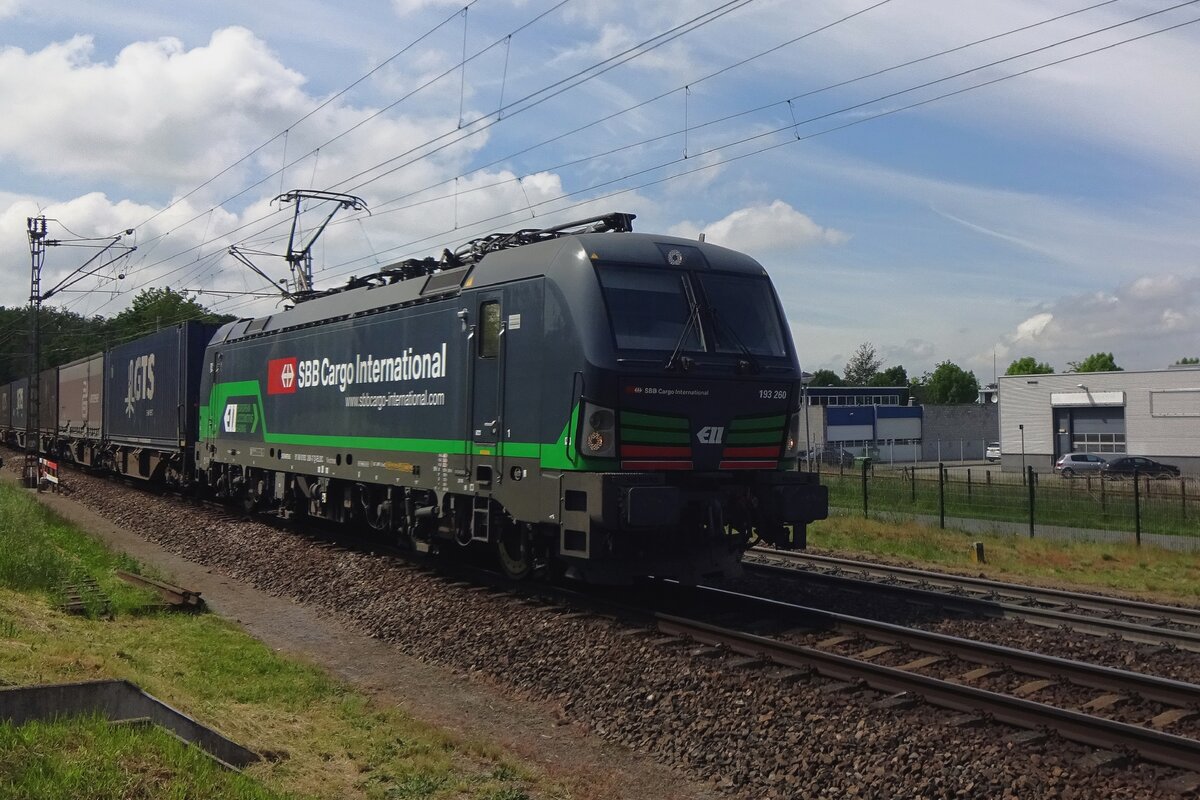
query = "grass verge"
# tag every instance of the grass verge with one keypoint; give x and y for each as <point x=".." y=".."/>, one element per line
<point x="1148" y="571"/>
<point x="332" y="741"/>
<point x="89" y="758"/>
<point x="1169" y="507"/>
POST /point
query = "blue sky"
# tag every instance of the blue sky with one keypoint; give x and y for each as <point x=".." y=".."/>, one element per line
<point x="1052" y="214"/>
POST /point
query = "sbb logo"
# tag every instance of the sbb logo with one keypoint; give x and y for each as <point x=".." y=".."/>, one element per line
<point x="281" y="376"/>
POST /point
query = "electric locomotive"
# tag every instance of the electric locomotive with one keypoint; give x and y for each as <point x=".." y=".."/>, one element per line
<point x="582" y="399"/>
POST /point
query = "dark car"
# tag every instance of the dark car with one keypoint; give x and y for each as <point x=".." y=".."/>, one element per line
<point x="833" y="456"/>
<point x="1073" y="464"/>
<point x="1127" y="466"/>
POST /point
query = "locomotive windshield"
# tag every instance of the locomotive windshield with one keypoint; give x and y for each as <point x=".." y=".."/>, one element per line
<point x="650" y="309"/>
<point x="742" y="310"/>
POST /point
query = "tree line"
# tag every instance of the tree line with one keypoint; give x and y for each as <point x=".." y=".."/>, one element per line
<point x="67" y="336"/>
<point x="948" y="383"/>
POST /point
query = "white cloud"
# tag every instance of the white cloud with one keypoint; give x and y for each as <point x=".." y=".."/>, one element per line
<point x="1135" y="98"/>
<point x="95" y="215"/>
<point x="406" y="7"/>
<point x="1146" y="323"/>
<point x="9" y="8"/>
<point x="912" y="352"/>
<point x="763" y="229"/>
<point x="157" y="113"/>
<point x="1032" y="328"/>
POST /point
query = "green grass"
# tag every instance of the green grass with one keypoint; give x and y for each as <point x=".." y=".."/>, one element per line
<point x="1078" y="503"/>
<point x="41" y="553"/>
<point x="1148" y="572"/>
<point x="89" y="759"/>
<point x="334" y="741"/>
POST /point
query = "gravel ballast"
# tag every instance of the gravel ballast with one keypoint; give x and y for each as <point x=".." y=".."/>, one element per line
<point x="749" y="733"/>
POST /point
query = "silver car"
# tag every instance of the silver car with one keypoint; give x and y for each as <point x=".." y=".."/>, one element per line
<point x="1073" y="464"/>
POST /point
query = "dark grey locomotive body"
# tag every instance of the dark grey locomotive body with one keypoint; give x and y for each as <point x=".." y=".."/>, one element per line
<point x="612" y="404"/>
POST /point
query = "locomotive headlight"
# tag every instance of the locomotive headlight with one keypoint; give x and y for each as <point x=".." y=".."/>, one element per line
<point x="791" y="447"/>
<point x="599" y="435"/>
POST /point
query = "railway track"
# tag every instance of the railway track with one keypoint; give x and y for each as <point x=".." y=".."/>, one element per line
<point x="1131" y="620"/>
<point x="849" y="648"/>
<point x="644" y="652"/>
<point x="1073" y="694"/>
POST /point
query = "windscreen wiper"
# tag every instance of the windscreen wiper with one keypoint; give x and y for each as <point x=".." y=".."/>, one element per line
<point x="693" y="322"/>
<point x="748" y="358"/>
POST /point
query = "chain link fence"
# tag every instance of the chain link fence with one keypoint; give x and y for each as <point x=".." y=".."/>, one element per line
<point x="1164" y="512"/>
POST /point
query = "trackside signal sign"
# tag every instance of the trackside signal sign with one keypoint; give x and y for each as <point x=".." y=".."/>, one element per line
<point x="281" y="376"/>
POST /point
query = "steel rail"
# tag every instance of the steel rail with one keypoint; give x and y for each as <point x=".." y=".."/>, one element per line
<point x="1178" y="694"/>
<point x="1058" y="597"/>
<point x="1046" y="617"/>
<point x="1076" y="726"/>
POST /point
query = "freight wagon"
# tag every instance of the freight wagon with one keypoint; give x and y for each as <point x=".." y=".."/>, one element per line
<point x="150" y="400"/>
<point x="47" y="414"/>
<point x="81" y="410"/>
<point x="19" y="393"/>
<point x="5" y="413"/>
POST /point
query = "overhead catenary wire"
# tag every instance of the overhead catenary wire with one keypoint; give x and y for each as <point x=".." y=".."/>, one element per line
<point x="642" y="172"/>
<point x="376" y="114"/>
<point x="536" y="98"/>
<point x="792" y="125"/>
<point x="378" y="208"/>
<point x="790" y="140"/>
<point x="754" y="110"/>
<point x="323" y="104"/>
<point x="675" y="32"/>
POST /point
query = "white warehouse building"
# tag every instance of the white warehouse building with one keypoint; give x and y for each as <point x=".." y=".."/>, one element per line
<point x="1154" y="413"/>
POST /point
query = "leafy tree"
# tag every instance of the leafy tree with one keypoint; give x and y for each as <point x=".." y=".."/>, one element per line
<point x="1188" y="361"/>
<point x="863" y="365"/>
<point x="826" y="377"/>
<point x="892" y="376"/>
<point x="67" y="336"/>
<point x="1096" y="362"/>
<point x="152" y="309"/>
<point x="1028" y="365"/>
<point x="950" y="384"/>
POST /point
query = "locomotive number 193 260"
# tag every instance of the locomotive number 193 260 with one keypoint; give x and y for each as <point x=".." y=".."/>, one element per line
<point x="772" y="394"/>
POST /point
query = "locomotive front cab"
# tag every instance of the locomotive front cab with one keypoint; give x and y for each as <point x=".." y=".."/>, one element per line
<point x="687" y="433"/>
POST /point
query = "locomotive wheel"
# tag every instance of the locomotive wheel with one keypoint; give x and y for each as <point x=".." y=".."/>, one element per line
<point x="514" y="551"/>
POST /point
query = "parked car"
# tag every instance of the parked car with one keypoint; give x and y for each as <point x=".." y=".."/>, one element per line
<point x="1126" y="466"/>
<point x="993" y="451"/>
<point x="833" y="456"/>
<point x="1073" y="464"/>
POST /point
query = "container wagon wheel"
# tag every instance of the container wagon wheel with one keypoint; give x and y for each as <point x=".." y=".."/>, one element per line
<point x="514" y="548"/>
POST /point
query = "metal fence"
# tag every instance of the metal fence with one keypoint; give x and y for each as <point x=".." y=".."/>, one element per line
<point x="1164" y="512"/>
<point x="911" y="451"/>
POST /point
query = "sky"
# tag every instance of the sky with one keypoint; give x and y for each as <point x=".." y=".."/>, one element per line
<point x="972" y="182"/>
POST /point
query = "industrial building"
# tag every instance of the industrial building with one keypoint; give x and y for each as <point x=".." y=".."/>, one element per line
<point x="884" y="423"/>
<point x="1153" y="413"/>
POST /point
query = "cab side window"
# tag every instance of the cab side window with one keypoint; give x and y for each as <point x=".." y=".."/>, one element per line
<point x="489" y="329"/>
